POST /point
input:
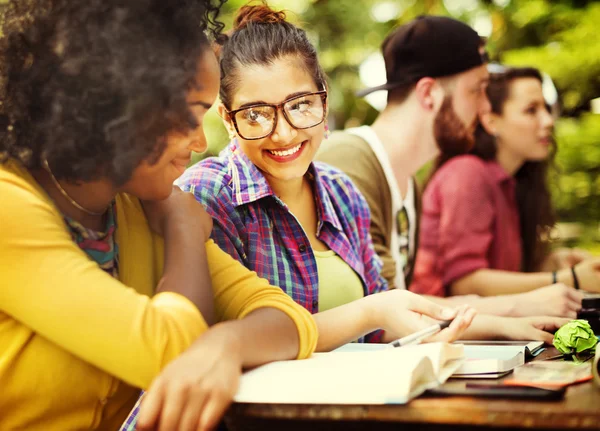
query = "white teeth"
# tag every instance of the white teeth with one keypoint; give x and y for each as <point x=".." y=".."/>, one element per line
<point x="286" y="152"/>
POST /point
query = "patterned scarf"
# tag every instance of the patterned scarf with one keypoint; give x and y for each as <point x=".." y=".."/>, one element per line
<point x="99" y="246"/>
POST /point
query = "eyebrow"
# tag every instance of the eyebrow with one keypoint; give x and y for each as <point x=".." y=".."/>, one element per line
<point x="201" y="103"/>
<point x="260" y="102"/>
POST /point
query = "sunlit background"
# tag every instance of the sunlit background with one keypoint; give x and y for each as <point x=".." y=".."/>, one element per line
<point x="560" y="37"/>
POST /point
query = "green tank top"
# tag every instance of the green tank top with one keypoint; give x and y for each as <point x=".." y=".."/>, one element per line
<point x="338" y="283"/>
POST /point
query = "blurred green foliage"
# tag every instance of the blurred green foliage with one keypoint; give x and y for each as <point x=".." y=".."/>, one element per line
<point x="560" y="37"/>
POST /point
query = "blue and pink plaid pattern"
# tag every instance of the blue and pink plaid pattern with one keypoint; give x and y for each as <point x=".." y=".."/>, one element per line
<point x="254" y="226"/>
<point x="131" y="421"/>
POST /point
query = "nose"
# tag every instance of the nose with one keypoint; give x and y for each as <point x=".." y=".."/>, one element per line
<point x="547" y="119"/>
<point x="485" y="107"/>
<point x="198" y="142"/>
<point x="283" y="132"/>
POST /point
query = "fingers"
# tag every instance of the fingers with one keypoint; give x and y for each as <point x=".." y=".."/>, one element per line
<point x="190" y="417"/>
<point x="546" y="323"/>
<point x="173" y="405"/>
<point x="429" y="308"/>
<point x="575" y="295"/>
<point x="544" y="336"/>
<point x="150" y="408"/>
<point x="460" y="323"/>
<point x="574" y="306"/>
<point x="569" y="313"/>
<point x="214" y="411"/>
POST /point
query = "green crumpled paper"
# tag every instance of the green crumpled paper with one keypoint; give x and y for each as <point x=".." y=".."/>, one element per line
<point x="575" y="337"/>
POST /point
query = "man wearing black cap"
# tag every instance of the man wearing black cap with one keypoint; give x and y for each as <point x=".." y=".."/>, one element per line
<point x="436" y="70"/>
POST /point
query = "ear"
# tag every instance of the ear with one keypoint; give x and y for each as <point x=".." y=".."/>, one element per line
<point x="489" y="122"/>
<point x="222" y="111"/>
<point x="429" y="93"/>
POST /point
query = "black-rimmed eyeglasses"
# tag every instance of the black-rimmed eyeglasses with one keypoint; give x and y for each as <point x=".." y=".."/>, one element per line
<point x="260" y="120"/>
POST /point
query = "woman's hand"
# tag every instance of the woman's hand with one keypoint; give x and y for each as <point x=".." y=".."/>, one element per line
<point x="185" y="227"/>
<point x="554" y="300"/>
<point x="588" y="275"/>
<point x="565" y="258"/>
<point x="179" y="207"/>
<point x="400" y="313"/>
<point x="193" y="391"/>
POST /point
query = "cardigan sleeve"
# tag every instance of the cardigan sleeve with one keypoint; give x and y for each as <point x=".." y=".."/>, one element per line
<point x="239" y="291"/>
<point x="48" y="284"/>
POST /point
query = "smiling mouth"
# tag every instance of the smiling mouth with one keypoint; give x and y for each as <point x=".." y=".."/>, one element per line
<point x="287" y="152"/>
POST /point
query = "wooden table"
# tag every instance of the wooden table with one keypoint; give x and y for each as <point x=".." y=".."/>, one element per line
<point x="580" y="409"/>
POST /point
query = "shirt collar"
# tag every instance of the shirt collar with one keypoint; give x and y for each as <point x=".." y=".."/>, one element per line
<point x="249" y="184"/>
<point x="325" y="208"/>
<point x="499" y="174"/>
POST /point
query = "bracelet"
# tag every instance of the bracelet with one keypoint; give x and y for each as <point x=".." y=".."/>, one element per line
<point x="575" y="280"/>
<point x="554" y="280"/>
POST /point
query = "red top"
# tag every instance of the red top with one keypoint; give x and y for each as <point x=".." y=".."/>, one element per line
<point x="469" y="221"/>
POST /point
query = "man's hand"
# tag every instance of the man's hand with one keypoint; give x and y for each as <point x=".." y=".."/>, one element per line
<point x="537" y="328"/>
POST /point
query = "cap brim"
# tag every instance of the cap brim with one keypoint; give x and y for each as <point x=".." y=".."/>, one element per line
<point x="363" y="93"/>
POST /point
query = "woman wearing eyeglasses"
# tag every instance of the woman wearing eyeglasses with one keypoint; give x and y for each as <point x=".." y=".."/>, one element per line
<point x="102" y="102"/>
<point x="302" y="225"/>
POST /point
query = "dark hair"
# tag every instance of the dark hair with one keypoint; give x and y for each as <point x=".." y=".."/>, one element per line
<point x="534" y="202"/>
<point x="94" y="86"/>
<point x="261" y="36"/>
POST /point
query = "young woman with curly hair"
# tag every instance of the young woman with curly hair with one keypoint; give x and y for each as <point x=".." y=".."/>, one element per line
<point x="102" y="104"/>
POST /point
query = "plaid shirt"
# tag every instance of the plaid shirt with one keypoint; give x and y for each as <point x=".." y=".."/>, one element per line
<point x="254" y="226"/>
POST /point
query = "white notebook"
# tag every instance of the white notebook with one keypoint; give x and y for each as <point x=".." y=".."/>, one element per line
<point x="489" y="361"/>
<point x="370" y="376"/>
<point x="530" y="349"/>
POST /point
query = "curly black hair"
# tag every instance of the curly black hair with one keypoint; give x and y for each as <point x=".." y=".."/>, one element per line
<point x="94" y="86"/>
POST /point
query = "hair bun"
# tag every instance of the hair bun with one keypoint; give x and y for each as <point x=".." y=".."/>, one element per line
<point x="259" y="14"/>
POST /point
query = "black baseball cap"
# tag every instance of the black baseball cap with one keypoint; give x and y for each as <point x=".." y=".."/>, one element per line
<point x="433" y="46"/>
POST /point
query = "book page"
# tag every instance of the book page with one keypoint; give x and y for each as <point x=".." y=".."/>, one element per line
<point x="385" y="376"/>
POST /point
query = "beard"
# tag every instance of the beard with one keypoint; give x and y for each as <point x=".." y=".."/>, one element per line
<point x="451" y="135"/>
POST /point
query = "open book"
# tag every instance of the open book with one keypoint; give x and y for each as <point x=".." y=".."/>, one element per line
<point x="375" y="376"/>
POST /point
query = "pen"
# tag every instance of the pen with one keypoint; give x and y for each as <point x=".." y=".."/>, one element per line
<point x="418" y="336"/>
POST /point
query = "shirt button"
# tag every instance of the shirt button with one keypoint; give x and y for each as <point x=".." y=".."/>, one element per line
<point x="302" y="248"/>
<point x="315" y="304"/>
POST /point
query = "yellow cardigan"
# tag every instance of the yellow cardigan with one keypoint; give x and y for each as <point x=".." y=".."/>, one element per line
<point x="75" y="343"/>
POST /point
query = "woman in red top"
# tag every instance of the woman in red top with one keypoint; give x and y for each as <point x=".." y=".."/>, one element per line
<point x="486" y="215"/>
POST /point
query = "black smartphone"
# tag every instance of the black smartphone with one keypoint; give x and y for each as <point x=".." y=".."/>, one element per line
<point x="498" y="391"/>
